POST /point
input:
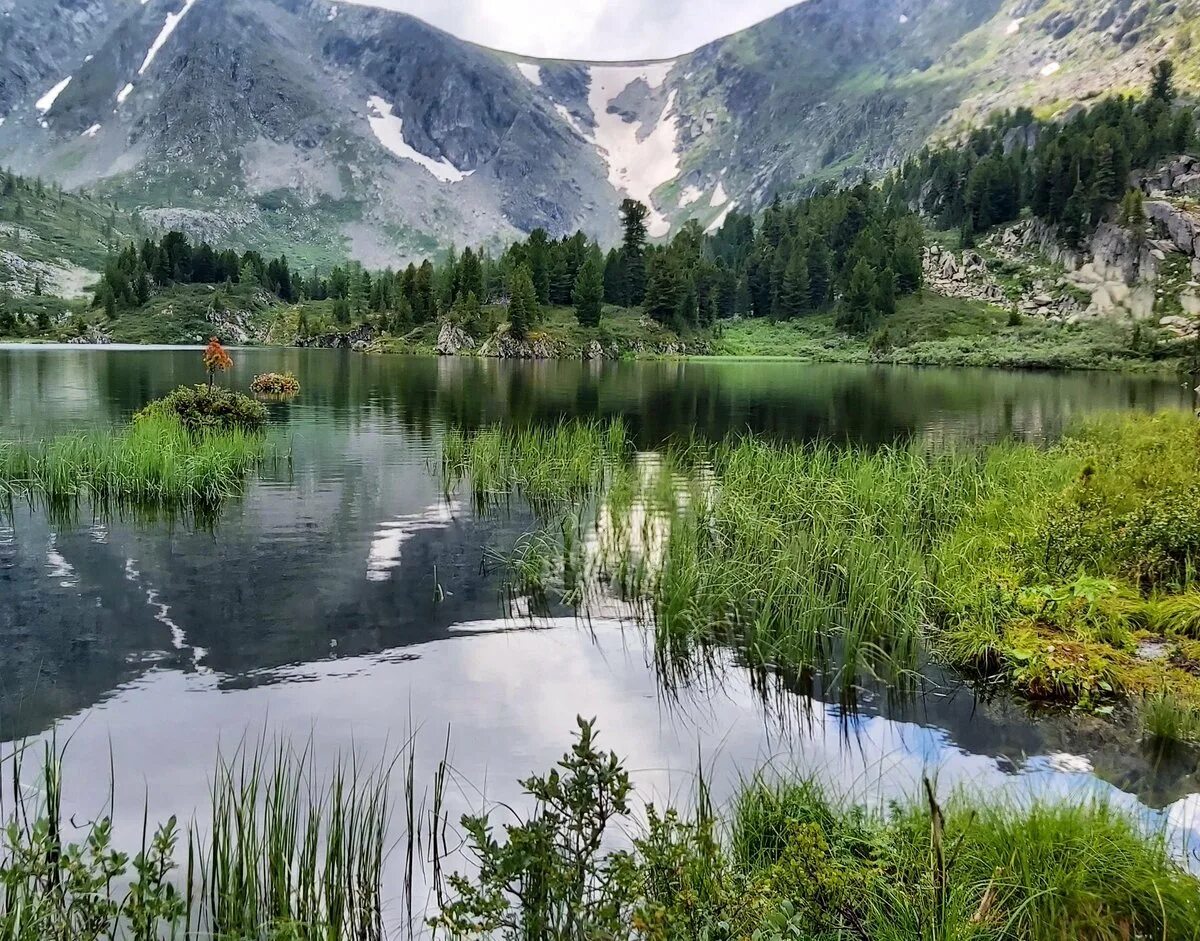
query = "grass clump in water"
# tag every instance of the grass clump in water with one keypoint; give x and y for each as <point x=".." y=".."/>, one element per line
<point x="155" y="461"/>
<point x="1044" y="568"/>
<point x="549" y="466"/>
<point x="275" y="384"/>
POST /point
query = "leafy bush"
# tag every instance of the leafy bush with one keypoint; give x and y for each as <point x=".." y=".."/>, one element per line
<point x="274" y="383"/>
<point x="793" y="863"/>
<point x="208" y="408"/>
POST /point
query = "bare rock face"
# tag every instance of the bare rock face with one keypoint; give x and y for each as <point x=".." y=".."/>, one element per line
<point x="453" y="340"/>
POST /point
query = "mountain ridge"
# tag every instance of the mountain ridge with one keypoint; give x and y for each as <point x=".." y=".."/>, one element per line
<point x="330" y="129"/>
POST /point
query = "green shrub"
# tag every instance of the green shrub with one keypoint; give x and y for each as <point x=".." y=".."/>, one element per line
<point x="209" y="408"/>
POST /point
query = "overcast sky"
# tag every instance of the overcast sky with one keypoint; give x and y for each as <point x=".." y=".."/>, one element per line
<point x="590" y="29"/>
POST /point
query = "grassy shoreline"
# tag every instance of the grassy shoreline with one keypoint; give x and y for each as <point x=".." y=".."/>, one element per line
<point x="1067" y="573"/>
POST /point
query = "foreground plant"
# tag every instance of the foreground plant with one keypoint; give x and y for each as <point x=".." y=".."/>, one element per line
<point x="208" y="408"/>
<point x="286" y="856"/>
<point x="789" y="862"/>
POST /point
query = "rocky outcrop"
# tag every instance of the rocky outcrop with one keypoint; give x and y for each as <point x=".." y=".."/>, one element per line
<point x="453" y="340"/>
<point x="92" y="336"/>
<point x="237" y="325"/>
<point x="967" y="275"/>
<point x="357" y="339"/>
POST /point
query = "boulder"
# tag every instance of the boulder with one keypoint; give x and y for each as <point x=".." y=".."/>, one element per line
<point x="1181" y="226"/>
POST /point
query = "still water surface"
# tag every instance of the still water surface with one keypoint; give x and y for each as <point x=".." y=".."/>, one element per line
<point x="311" y="608"/>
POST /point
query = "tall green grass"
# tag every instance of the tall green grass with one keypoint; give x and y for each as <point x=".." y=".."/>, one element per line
<point x="286" y="853"/>
<point x="809" y="557"/>
<point x="152" y="462"/>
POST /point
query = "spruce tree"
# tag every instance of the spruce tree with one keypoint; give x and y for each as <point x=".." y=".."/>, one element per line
<point x="794" y="296"/>
<point x="1162" y="84"/>
<point x="522" y="303"/>
<point x="858" y="311"/>
<point x="588" y="295"/>
<point x="819" y="275"/>
<point x="633" y="250"/>
<point x="687" y="308"/>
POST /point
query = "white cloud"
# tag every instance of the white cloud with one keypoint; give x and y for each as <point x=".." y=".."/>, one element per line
<point x="589" y="29"/>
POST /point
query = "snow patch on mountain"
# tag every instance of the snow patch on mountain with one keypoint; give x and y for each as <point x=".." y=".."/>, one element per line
<point x="690" y="194"/>
<point x="638" y="160"/>
<point x="720" y="220"/>
<point x="532" y="72"/>
<point x="719" y="196"/>
<point x="570" y="119"/>
<point x="46" y="102"/>
<point x="389" y="130"/>
<point x="91" y="131"/>
<point x="124" y="93"/>
<point x="1049" y="69"/>
<point x="172" y="21"/>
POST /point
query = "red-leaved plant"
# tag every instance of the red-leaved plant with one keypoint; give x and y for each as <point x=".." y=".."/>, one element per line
<point x="216" y="360"/>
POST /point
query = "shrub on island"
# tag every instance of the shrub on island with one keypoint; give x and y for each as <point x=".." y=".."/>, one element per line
<point x="208" y="408"/>
<point x="274" y="383"/>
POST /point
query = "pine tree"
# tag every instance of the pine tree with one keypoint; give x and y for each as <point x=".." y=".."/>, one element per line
<point x="588" y="295"/>
<point x="1133" y="210"/>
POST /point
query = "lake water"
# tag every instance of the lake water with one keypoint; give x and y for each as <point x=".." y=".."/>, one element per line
<point x="311" y="608"/>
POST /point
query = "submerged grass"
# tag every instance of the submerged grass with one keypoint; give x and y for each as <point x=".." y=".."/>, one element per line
<point x="155" y="461"/>
<point x="1045" y="568"/>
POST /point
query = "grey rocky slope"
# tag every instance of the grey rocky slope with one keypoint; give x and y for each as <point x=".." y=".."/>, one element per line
<point x="325" y="129"/>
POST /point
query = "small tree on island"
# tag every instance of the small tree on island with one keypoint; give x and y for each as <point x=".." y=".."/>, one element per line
<point x="216" y="360"/>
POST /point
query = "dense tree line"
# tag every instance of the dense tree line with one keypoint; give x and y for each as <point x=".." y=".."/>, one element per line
<point x="848" y="250"/>
<point x="1069" y="173"/>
